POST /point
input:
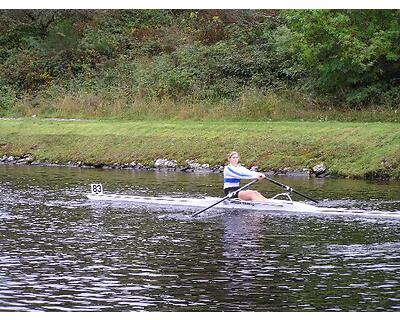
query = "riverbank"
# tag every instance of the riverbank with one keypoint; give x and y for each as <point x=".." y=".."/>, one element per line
<point x="357" y="150"/>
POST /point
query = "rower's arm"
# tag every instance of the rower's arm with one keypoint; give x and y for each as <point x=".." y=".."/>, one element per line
<point x="241" y="173"/>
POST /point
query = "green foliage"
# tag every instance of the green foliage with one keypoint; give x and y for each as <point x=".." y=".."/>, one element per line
<point x="333" y="57"/>
<point x="352" y="55"/>
<point x="8" y="99"/>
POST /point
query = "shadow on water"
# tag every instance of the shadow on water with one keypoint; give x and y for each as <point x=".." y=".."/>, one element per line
<point x="60" y="253"/>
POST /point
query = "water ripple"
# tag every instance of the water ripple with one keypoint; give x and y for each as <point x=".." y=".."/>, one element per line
<point x="60" y="254"/>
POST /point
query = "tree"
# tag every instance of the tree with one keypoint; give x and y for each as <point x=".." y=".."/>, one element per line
<point x="351" y="55"/>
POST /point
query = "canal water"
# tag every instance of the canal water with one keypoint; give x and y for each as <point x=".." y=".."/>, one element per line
<point x="60" y="252"/>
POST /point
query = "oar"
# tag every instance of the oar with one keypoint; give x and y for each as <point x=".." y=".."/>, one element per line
<point x="224" y="198"/>
<point x="290" y="189"/>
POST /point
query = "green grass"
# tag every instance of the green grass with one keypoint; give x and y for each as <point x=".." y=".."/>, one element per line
<point x="348" y="149"/>
<point x="252" y="105"/>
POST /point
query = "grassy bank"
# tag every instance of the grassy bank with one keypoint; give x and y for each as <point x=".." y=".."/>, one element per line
<point x="347" y="149"/>
<point x="253" y="105"/>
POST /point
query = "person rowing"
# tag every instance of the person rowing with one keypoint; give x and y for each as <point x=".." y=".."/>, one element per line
<point x="233" y="173"/>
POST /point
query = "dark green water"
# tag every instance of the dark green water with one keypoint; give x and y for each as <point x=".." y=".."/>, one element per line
<point x="58" y="251"/>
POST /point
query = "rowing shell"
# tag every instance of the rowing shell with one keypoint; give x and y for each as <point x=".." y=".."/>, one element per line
<point x="272" y="204"/>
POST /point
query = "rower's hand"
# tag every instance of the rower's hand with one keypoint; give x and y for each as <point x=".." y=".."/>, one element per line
<point x="261" y="176"/>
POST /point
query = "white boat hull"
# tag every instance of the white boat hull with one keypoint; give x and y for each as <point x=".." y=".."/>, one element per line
<point x="271" y="205"/>
<point x="198" y="203"/>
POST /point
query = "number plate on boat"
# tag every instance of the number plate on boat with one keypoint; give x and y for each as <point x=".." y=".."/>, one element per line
<point x="96" y="188"/>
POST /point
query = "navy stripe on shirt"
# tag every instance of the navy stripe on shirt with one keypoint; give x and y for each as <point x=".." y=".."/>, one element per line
<point x="231" y="180"/>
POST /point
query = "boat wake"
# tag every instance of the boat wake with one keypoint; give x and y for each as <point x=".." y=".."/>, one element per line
<point x="184" y="216"/>
<point x="176" y="217"/>
<point x="371" y="204"/>
<point x="360" y="213"/>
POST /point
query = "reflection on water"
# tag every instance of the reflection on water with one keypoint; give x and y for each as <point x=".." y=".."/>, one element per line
<point x="58" y="252"/>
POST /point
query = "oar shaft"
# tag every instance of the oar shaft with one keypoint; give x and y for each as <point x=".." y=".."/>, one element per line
<point x="290" y="189"/>
<point x="202" y="210"/>
<point x="304" y="196"/>
<point x="224" y="198"/>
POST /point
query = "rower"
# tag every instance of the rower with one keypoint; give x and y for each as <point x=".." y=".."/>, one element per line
<point x="233" y="173"/>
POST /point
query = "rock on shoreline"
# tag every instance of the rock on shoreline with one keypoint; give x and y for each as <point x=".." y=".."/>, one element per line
<point x="157" y="165"/>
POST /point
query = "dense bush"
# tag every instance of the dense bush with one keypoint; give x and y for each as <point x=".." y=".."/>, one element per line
<point x="351" y="55"/>
<point x="335" y="57"/>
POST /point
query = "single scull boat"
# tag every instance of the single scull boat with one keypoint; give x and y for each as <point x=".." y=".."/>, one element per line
<point x="273" y="204"/>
